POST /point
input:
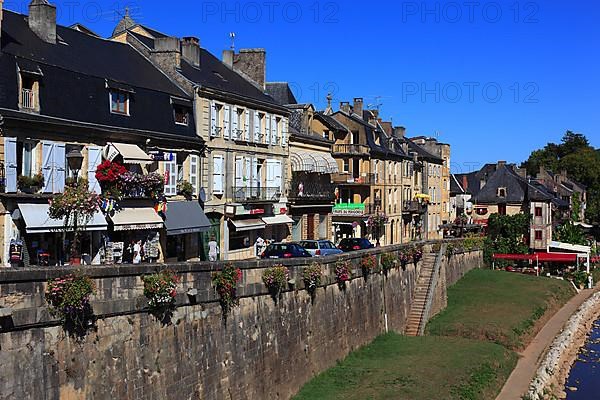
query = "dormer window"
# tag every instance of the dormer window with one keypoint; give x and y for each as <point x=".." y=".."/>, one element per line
<point x="119" y="102"/>
<point x="182" y="114"/>
<point x="502" y="192"/>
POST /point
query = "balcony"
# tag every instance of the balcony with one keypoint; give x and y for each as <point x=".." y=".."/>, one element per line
<point x="348" y="179"/>
<point x="249" y="194"/>
<point x="413" y="207"/>
<point x="350" y="150"/>
<point x="307" y="191"/>
<point x="27" y="99"/>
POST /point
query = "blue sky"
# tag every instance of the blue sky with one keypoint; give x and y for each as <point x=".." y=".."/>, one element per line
<point x="494" y="79"/>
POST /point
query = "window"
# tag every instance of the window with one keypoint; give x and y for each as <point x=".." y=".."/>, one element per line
<point x="218" y="174"/>
<point x="502" y="192"/>
<point x="538" y="211"/>
<point x="502" y="209"/>
<point x="346" y="166"/>
<point x="538" y="235"/>
<point x="29" y="165"/>
<point x="194" y="173"/>
<point x="28" y="92"/>
<point x="119" y="102"/>
<point x="325" y="134"/>
<point x="171" y="176"/>
<point x="182" y="115"/>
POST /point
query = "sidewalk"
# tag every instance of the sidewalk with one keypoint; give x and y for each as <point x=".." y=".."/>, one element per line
<point x="518" y="382"/>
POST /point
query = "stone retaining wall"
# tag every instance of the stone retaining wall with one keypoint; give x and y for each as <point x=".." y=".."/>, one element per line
<point x="263" y="350"/>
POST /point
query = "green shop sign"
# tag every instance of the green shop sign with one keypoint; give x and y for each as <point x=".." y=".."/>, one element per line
<point x="349" y="209"/>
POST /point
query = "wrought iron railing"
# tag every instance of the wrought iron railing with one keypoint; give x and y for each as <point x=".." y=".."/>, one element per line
<point x="248" y="193"/>
<point x="27" y="99"/>
<point x="346" y="178"/>
<point x="308" y="190"/>
<point x="350" y="149"/>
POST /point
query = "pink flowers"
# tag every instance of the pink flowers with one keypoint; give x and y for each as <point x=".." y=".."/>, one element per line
<point x="160" y="288"/>
<point x="343" y="272"/>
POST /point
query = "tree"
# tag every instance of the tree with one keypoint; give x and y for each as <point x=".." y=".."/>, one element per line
<point x="570" y="233"/>
<point x="506" y="234"/>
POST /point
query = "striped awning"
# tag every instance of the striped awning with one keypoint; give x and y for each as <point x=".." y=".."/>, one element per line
<point x="312" y="161"/>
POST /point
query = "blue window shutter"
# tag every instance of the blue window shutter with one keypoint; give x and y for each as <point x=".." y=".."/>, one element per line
<point x="60" y="168"/>
<point x="10" y="164"/>
<point x="48" y="166"/>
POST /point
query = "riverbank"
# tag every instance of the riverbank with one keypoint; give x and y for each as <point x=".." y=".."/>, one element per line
<point x="469" y="350"/>
<point x="550" y="377"/>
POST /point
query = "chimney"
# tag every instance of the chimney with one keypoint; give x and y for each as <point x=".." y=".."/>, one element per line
<point x="500" y="164"/>
<point x="252" y="63"/>
<point x="190" y="50"/>
<point x="345" y="107"/>
<point x="465" y="183"/>
<point x="42" y="20"/>
<point x="399" y="131"/>
<point x="166" y="53"/>
<point x="228" y="58"/>
<point x="358" y="106"/>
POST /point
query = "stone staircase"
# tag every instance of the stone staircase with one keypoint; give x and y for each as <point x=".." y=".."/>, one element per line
<point x="417" y="311"/>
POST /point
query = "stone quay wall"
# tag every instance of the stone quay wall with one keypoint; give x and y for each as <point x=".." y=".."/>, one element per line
<point x="262" y="350"/>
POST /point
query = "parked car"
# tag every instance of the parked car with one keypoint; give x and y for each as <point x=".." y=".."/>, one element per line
<point x="319" y="247"/>
<point x="284" y="250"/>
<point x="351" y="244"/>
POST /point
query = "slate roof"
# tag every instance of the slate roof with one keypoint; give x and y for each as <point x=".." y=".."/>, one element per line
<point x="455" y="186"/>
<point x="213" y="74"/>
<point x="75" y="75"/>
<point x="281" y="93"/>
<point x="518" y="189"/>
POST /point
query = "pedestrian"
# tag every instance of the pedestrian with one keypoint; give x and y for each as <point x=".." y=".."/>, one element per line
<point x="137" y="252"/>
<point x="213" y="249"/>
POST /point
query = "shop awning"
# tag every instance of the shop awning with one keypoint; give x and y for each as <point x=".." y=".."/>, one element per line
<point x="243" y="225"/>
<point x="131" y="153"/>
<point x="278" y="220"/>
<point x="136" y="218"/>
<point x="185" y="217"/>
<point x="544" y="257"/>
<point x="37" y="219"/>
<point x="312" y="161"/>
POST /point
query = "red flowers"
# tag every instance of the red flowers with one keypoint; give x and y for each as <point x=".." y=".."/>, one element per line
<point x="109" y="172"/>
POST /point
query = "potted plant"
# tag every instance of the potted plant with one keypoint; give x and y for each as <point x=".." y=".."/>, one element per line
<point x="109" y="175"/>
<point x="76" y="206"/>
<point x="276" y="279"/>
<point x="68" y="298"/>
<point x="343" y="273"/>
<point x="312" y="276"/>
<point x="30" y="184"/>
<point x="376" y="225"/>
<point x="368" y="265"/>
<point x="388" y="261"/>
<point x="185" y="189"/>
<point x="225" y="282"/>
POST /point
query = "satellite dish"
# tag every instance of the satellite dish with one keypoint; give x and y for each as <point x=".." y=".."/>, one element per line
<point x="202" y="195"/>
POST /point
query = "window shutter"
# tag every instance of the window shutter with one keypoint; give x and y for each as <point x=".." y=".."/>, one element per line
<point x="218" y="175"/>
<point x="94" y="159"/>
<point x="213" y="119"/>
<point x="234" y="124"/>
<point x="284" y="131"/>
<point x="273" y="130"/>
<point x="268" y="128"/>
<point x="239" y="172"/>
<point x="227" y="121"/>
<point x="247" y="134"/>
<point x="257" y="131"/>
<point x="48" y="165"/>
<point x="248" y="172"/>
<point x="60" y="168"/>
<point x="278" y="174"/>
<point x="255" y="180"/>
<point x="171" y="181"/>
<point x="10" y="164"/>
<point x="194" y="172"/>
<point x="270" y="173"/>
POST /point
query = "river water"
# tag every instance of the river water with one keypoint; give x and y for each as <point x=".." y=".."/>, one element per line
<point x="585" y="373"/>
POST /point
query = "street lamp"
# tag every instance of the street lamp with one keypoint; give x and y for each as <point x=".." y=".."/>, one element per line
<point x="75" y="160"/>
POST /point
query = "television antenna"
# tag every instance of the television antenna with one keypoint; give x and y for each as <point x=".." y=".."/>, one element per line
<point x="232" y="37"/>
<point x="377" y="103"/>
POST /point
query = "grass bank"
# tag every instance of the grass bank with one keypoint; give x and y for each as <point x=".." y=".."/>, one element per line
<point x="429" y="367"/>
<point x="501" y="307"/>
<point x="467" y="353"/>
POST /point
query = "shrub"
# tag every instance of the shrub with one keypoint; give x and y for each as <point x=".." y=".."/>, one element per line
<point x="69" y="299"/>
<point x="343" y="272"/>
<point x="388" y="261"/>
<point x="35" y="182"/>
<point x="225" y="282"/>
<point x="276" y="279"/>
<point x="160" y="289"/>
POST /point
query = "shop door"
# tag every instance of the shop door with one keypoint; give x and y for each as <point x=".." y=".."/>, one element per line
<point x="310" y="235"/>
